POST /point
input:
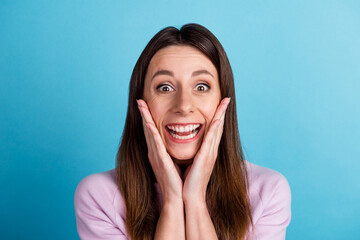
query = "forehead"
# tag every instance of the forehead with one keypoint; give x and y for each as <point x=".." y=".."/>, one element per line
<point x="180" y="51"/>
<point x="168" y="56"/>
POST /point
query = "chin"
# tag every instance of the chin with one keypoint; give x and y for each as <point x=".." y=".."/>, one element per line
<point x="183" y="158"/>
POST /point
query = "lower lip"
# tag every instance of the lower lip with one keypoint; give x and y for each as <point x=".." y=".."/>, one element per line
<point x="183" y="140"/>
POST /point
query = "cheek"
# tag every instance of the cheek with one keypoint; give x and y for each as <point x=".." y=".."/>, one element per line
<point x="157" y="111"/>
<point x="208" y="111"/>
<point x="212" y="106"/>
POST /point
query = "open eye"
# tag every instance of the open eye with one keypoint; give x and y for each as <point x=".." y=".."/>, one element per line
<point x="165" y="88"/>
<point x="202" y="87"/>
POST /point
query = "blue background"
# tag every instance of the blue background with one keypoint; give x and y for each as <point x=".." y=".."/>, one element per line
<point x="64" y="73"/>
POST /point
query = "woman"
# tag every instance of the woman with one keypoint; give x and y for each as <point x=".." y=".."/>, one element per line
<point x="180" y="171"/>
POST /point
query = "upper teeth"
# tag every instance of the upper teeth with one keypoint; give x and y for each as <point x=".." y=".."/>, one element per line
<point x="187" y="128"/>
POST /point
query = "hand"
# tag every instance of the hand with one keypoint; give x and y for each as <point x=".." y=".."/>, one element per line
<point x="197" y="175"/>
<point x="167" y="173"/>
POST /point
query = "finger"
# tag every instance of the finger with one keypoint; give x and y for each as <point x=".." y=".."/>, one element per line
<point x="220" y="130"/>
<point x="144" y="109"/>
<point x="152" y="131"/>
<point x="158" y="142"/>
<point x="146" y="118"/>
<point x="220" y="124"/>
<point x="212" y="138"/>
<point x="209" y="139"/>
<point x="221" y="109"/>
<point x="149" y="136"/>
<point x="217" y="122"/>
<point x="146" y="129"/>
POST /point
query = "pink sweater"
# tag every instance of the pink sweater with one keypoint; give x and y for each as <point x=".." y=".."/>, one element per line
<point x="100" y="210"/>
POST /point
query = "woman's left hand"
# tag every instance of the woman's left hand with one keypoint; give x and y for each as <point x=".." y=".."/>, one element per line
<point x="197" y="175"/>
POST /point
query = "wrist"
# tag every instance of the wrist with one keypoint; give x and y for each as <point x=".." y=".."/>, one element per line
<point x="195" y="204"/>
<point x="172" y="204"/>
<point x="172" y="210"/>
<point x="195" y="200"/>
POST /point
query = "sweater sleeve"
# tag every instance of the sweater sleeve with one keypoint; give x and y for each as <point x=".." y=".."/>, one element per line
<point x="96" y="218"/>
<point x="275" y="205"/>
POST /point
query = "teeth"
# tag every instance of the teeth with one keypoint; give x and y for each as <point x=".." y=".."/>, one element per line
<point x="174" y="135"/>
<point x="191" y="129"/>
<point x="181" y="129"/>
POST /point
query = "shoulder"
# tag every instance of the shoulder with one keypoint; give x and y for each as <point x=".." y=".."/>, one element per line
<point x="99" y="207"/>
<point x="98" y="187"/>
<point x="270" y="199"/>
<point x="263" y="179"/>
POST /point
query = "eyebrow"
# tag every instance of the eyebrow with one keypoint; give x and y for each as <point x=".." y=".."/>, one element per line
<point x="202" y="71"/>
<point x="169" y="73"/>
<point x="162" y="72"/>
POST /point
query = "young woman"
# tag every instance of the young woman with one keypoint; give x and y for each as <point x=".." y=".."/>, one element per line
<point x="180" y="171"/>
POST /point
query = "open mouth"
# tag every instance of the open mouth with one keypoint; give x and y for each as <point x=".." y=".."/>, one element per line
<point x="184" y="131"/>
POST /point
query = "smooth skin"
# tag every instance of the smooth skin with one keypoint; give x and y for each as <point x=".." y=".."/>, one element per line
<point x="182" y="86"/>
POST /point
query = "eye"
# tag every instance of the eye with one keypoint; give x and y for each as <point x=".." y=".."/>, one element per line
<point x="202" y="87"/>
<point x="165" y="88"/>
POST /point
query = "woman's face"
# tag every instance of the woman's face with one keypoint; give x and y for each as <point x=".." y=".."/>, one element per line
<point x="182" y="92"/>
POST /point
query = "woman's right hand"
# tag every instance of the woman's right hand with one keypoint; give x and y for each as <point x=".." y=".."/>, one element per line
<point x="167" y="173"/>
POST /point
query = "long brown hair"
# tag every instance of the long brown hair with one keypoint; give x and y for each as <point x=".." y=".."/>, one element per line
<point x="227" y="195"/>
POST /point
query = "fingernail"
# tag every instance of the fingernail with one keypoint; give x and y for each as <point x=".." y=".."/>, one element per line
<point x="227" y="101"/>
<point x="137" y="101"/>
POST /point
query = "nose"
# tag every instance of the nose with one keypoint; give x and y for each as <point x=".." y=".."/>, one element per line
<point x="183" y="103"/>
